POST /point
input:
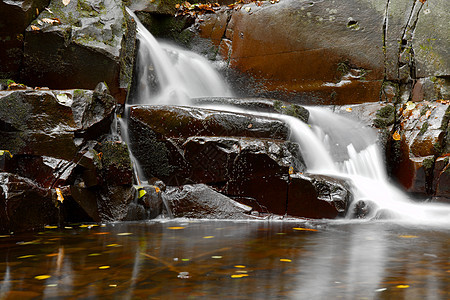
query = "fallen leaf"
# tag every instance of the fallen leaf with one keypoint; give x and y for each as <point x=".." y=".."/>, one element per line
<point x="157" y="189"/>
<point x="3" y="152"/>
<point x="42" y="277"/>
<point x="408" y="236"/>
<point x="35" y="28"/>
<point x="101" y="233"/>
<point x="239" y="275"/>
<point x="216" y="256"/>
<point x="26" y="256"/>
<point x="291" y="170"/>
<point x="50" y="227"/>
<point x="285" y="260"/>
<point x="60" y="197"/>
<point x="104" y="267"/>
<point x="410" y="105"/>
<point x="396" y="136"/>
<point x="113" y="285"/>
<point x="66" y="2"/>
<point x="125" y="233"/>
<point x="208" y="237"/>
<point x="175" y="228"/>
<point x="402" y="286"/>
<point x="113" y="245"/>
<point x="239" y="266"/>
<point x="94" y="254"/>
<point x="349" y="109"/>
<point x="304" y="229"/>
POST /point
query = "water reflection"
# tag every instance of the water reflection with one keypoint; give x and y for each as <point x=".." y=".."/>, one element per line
<point x="239" y="260"/>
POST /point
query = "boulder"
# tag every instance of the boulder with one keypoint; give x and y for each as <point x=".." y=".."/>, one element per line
<point x="24" y="205"/>
<point x="200" y="201"/>
<point x="15" y="17"/>
<point x="80" y="44"/>
<point x="317" y="47"/>
<point x="317" y="196"/>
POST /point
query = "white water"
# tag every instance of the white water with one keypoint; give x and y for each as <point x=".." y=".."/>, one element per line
<point x="332" y="145"/>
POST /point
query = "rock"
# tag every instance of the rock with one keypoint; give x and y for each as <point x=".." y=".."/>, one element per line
<point x="113" y="163"/>
<point x="441" y="179"/>
<point x="79" y="45"/>
<point x="150" y="197"/>
<point x="183" y="122"/>
<point x="158" y="132"/>
<point x="15" y="17"/>
<point x="315" y="31"/>
<point x="422" y="140"/>
<point x="114" y="201"/>
<point x="317" y="196"/>
<point x="430" y="40"/>
<point x="24" y="205"/>
<point x="216" y="160"/>
<point x="200" y="201"/>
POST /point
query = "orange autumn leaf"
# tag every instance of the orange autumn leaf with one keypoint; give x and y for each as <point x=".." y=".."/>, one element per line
<point x="396" y="136"/>
<point x="304" y="229"/>
<point x="35" y="28"/>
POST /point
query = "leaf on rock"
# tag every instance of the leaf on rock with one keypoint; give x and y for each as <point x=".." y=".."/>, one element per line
<point x="66" y="2"/>
<point x="396" y="136"/>
<point x="59" y="194"/>
<point x="35" y="28"/>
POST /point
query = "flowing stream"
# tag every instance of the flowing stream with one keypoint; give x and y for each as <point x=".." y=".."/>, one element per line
<point x="330" y="144"/>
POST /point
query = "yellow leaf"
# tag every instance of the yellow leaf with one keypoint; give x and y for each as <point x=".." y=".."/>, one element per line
<point x="104" y="267"/>
<point x="113" y="285"/>
<point x="113" y="245"/>
<point x="3" y="152"/>
<point x="208" y="237"/>
<point x="42" y="277"/>
<point x="50" y="227"/>
<point x="216" y="256"/>
<point x="60" y="197"/>
<point x="27" y="256"/>
<point x="291" y="170"/>
<point x="142" y="193"/>
<point x="402" y="286"/>
<point x="175" y="228"/>
<point x="239" y="266"/>
<point x="285" y="260"/>
<point x="304" y="229"/>
<point x="349" y="109"/>
<point x="239" y="275"/>
<point x="125" y="233"/>
<point x="396" y="136"/>
<point x="408" y="236"/>
<point x="35" y="28"/>
<point x="410" y="105"/>
<point x="66" y="2"/>
<point x="94" y="254"/>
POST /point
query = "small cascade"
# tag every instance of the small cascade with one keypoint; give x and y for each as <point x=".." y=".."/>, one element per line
<point x="330" y="144"/>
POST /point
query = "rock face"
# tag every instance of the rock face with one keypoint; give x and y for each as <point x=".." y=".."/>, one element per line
<point x="329" y="53"/>
<point x="80" y="44"/>
<point x="15" y="16"/>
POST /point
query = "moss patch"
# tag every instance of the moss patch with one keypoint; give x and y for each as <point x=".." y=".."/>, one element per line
<point x="385" y="117"/>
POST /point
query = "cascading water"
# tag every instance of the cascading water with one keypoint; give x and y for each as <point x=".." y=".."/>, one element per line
<point x="331" y="145"/>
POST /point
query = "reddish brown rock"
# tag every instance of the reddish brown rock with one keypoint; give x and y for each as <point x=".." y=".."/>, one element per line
<point x="442" y="177"/>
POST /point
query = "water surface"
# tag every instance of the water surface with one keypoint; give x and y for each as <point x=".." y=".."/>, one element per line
<point x="224" y="259"/>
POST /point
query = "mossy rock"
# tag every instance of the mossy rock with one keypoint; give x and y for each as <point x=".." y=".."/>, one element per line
<point x="384" y="117"/>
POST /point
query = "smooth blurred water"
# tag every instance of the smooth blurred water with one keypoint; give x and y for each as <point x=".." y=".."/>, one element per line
<point x="180" y="259"/>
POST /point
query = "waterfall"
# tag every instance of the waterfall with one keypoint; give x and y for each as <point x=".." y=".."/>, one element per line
<point x="330" y="144"/>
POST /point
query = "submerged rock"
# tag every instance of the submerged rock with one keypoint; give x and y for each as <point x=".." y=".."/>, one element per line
<point x="202" y="202"/>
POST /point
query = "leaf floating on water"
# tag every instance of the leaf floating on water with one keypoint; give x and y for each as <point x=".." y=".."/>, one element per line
<point x="285" y="260"/>
<point x="113" y="285"/>
<point x="402" y="286"/>
<point x="50" y="227"/>
<point x="396" y="136"/>
<point x="113" y="245"/>
<point x="408" y="236"/>
<point x="216" y="256"/>
<point x="175" y="228"/>
<point x="239" y="275"/>
<point x="208" y="237"/>
<point x="4" y="236"/>
<point x="185" y="259"/>
<point x="26" y="256"/>
<point x="104" y="267"/>
<point x="52" y="254"/>
<point x="101" y="233"/>
<point x="42" y="277"/>
<point x="94" y="254"/>
<point x="239" y="266"/>
<point x="304" y="229"/>
<point x="124" y="233"/>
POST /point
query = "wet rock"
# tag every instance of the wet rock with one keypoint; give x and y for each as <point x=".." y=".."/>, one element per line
<point x="24" y="205"/>
<point x="182" y="122"/>
<point x="317" y="196"/>
<point x="217" y="160"/>
<point x="79" y="45"/>
<point x="15" y="17"/>
<point x="347" y="75"/>
<point x="441" y="179"/>
<point x="157" y="134"/>
<point x="150" y="197"/>
<point x="113" y="202"/>
<point x="52" y="123"/>
<point x="422" y="139"/>
<point x="200" y="201"/>
<point x="113" y="163"/>
<point x="86" y="198"/>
